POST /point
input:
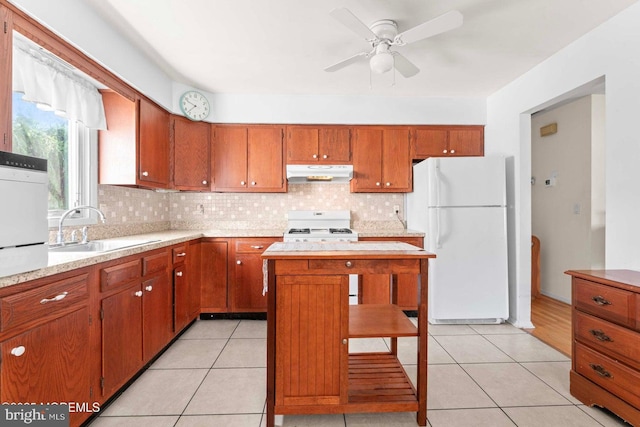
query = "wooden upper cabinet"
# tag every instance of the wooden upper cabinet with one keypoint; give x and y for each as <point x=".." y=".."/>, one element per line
<point x="248" y="159"/>
<point x="322" y="145"/>
<point x="265" y="171"/>
<point x="134" y="150"/>
<point x="191" y="154"/>
<point x="381" y="160"/>
<point x="447" y="141"/>
<point x="153" y="145"/>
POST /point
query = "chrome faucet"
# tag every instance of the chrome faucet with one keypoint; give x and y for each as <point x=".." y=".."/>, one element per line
<point x="60" y="235"/>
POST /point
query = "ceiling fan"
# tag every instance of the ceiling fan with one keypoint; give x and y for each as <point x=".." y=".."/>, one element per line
<point x="384" y="34"/>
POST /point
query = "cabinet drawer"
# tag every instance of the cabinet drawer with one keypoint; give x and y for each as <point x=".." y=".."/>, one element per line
<point x="364" y="266"/>
<point x="118" y="275"/>
<point x="253" y="246"/>
<point x="43" y="302"/>
<point x="611" y="339"/>
<point x="608" y="374"/>
<point x="604" y="301"/>
<point x="154" y="263"/>
<point x="179" y="254"/>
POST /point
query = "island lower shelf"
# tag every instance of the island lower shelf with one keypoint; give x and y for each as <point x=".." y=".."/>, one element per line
<point x="379" y="320"/>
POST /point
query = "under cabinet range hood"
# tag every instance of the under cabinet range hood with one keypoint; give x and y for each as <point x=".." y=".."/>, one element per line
<point x="305" y="174"/>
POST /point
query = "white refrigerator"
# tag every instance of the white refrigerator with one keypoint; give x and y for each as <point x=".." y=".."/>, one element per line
<point x="460" y="205"/>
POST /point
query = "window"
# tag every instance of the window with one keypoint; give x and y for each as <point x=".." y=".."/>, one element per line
<point x="39" y="130"/>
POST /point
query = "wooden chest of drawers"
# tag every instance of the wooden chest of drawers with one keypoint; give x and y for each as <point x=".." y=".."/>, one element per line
<point x="605" y="369"/>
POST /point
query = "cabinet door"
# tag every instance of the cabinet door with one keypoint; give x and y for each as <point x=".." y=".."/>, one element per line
<point x="153" y="145"/>
<point x="191" y="155"/>
<point x="117" y="144"/>
<point x="334" y="145"/>
<point x="230" y="158"/>
<point x="430" y="143"/>
<point x="367" y="160"/>
<point x="466" y="142"/>
<point x="157" y="314"/>
<point x="396" y="162"/>
<point x="181" y="300"/>
<point x="311" y="346"/>
<point x="302" y="144"/>
<point x="121" y="337"/>
<point x="265" y="159"/>
<point x="49" y="363"/>
<point x="213" y="276"/>
<point x="246" y="288"/>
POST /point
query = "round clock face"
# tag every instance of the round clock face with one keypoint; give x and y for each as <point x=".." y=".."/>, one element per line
<point x="194" y="105"/>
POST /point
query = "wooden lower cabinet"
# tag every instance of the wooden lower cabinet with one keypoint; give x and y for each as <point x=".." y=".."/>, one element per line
<point x="136" y="313"/>
<point x="231" y="275"/>
<point x="214" y="260"/>
<point x="376" y="288"/>
<point x="312" y="357"/>
<point x="247" y="279"/>
<point x="605" y="361"/>
<point x="45" y="342"/>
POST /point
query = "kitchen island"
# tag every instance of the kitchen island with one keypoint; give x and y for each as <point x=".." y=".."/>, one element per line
<point x="310" y="322"/>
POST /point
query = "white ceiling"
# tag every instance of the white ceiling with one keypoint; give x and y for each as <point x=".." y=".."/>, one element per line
<point x="282" y="46"/>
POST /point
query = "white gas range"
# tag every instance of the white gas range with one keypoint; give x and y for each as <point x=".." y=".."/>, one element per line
<point x="319" y="226"/>
<point x="323" y="226"/>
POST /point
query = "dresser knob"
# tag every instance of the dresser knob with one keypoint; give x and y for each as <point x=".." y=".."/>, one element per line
<point x="242" y="183"/>
<point x="315" y="156"/>
<point x="179" y="273"/>
<point x="149" y="288"/>
<point x="238" y="262"/>
<point x="204" y="182"/>
<point x="600" y="335"/>
<point x="138" y="294"/>
<point x="348" y="264"/>
<point x="600" y="300"/>
<point x="600" y="370"/>
<point x="18" y="351"/>
<point x="145" y="173"/>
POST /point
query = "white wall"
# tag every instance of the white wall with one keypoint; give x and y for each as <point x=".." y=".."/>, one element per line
<point x="562" y="210"/>
<point x="610" y="51"/>
<point x="76" y="22"/>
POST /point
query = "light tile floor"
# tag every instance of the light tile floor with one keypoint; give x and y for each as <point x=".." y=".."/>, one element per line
<point x="479" y="375"/>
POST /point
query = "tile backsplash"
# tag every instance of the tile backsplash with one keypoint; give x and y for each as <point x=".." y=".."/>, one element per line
<point x="134" y="211"/>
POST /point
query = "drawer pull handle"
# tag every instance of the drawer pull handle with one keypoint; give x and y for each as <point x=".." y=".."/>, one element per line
<point x="182" y="254"/>
<point x="599" y="369"/>
<point x="348" y="264"/>
<point x="18" y="351"/>
<point x="179" y="273"/>
<point x="58" y="297"/>
<point x="600" y="335"/>
<point x="600" y="300"/>
<point x="257" y="246"/>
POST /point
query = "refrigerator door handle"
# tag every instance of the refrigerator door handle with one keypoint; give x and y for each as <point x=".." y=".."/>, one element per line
<point x="437" y="176"/>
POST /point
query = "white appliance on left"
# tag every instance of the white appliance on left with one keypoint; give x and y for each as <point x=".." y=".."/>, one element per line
<point x="24" y="230"/>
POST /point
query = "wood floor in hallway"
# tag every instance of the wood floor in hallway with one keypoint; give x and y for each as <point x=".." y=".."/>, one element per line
<point x="552" y="321"/>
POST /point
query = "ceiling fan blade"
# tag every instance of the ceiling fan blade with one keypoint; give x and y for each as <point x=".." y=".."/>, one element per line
<point x="445" y="22"/>
<point x="404" y="66"/>
<point x="355" y="58"/>
<point x="350" y="21"/>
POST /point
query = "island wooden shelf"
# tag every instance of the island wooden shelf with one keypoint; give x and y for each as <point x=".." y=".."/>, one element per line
<point x="379" y="320"/>
<point x="310" y="323"/>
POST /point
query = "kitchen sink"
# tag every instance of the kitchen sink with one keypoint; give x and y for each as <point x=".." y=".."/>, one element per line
<point x="98" y="246"/>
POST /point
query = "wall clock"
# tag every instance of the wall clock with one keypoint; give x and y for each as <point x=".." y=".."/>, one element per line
<point x="194" y="105"/>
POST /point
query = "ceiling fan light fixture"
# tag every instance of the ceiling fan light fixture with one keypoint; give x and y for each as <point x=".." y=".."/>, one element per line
<point x="381" y="62"/>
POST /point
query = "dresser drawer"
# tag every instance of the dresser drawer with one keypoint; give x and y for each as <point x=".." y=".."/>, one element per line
<point x="609" y="338"/>
<point x="253" y="245"/>
<point x="118" y="275"/>
<point x="179" y="254"/>
<point x="608" y="374"/>
<point x="154" y="263"/>
<point x="605" y="301"/>
<point x="43" y="302"/>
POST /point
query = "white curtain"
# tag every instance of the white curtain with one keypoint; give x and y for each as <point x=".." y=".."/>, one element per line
<point x="42" y="80"/>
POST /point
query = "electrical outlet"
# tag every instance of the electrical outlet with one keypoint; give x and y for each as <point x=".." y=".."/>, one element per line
<point x="396" y="209"/>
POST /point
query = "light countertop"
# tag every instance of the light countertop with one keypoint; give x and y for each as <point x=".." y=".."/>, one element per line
<point x="61" y="262"/>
